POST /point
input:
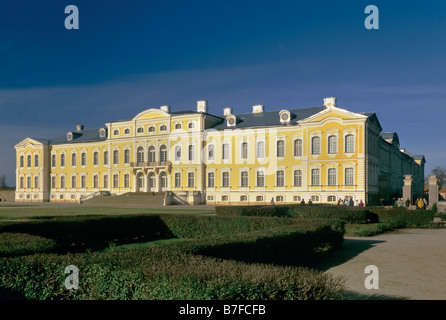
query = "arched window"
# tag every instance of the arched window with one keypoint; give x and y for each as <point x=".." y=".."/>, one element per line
<point x="298" y="147"/>
<point x="151" y="129"/>
<point x="177" y="180"/>
<point x="73" y="159"/>
<point x="191" y="153"/>
<point x="315" y="145"/>
<point x="280" y="178"/>
<point x="28" y="160"/>
<point x="259" y="198"/>
<point x="244" y="151"/>
<point x="243" y="198"/>
<point x="53" y="160"/>
<point x="151" y="180"/>
<point x="152" y="154"/>
<point x="126" y="156"/>
<point x="22" y="161"/>
<point x="163" y="153"/>
<point x="163" y="178"/>
<point x="105" y="157"/>
<point x="127" y="131"/>
<point x="95" y="158"/>
<point x="83" y="159"/>
<point x="177" y="126"/>
<point x="177" y="153"/>
<point x="332" y="144"/>
<point x="140" y="155"/>
<point x="163" y="128"/>
<point x="62" y="160"/>
<point x="140" y="130"/>
<point x="190" y="179"/>
<point x="36" y="160"/>
<point x="115" y="156"/>
<point x="281" y="148"/>
<point x="349" y="143"/>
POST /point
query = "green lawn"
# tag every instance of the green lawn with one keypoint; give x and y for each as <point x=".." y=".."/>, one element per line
<point x="20" y="212"/>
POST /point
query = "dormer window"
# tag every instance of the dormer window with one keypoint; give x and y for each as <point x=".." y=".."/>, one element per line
<point x="69" y="136"/>
<point x="285" y="116"/>
<point x="231" y="121"/>
<point x="102" y="133"/>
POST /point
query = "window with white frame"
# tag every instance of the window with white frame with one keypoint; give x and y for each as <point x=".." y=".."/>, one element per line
<point x="83" y="181"/>
<point x="297" y="178"/>
<point x="115" y="156"/>
<point x="280" y="178"/>
<point x="332" y="177"/>
<point x="225" y="151"/>
<point x="316" y="145"/>
<point x="280" y="148"/>
<point x="177" y="180"/>
<point x="332" y="144"/>
<point x="349" y="143"/>
<point x="225" y="179"/>
<point x="260" y="150"/>
<point x="83" y="159"/>
<point x="53" y="160"/>
<point x="349" y="177"/>
<point x="244" y="150"/>
<point x="95" y="158"/>
<point x="163" y="153"/>
<point x="73" y="159"/>
<point x="211" y="152"/>
<point x="315" y="177"/>
<point x="95" y="181"/>
<point x="191" y="152"/>
<point x="126" y="156"/>
<point x="190" y="179"/>
<point x="211" y="179"/>
<point x="244" y="179"/>
<point x="260" y="175"/>
<point x="298" y="147"/>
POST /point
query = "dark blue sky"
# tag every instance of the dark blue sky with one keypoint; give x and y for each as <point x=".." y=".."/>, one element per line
<point x="131" y="55"/>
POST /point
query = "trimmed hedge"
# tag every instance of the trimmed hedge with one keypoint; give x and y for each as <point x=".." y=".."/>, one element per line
<point x="347" y="214"/>
<point x="210" y="263"/>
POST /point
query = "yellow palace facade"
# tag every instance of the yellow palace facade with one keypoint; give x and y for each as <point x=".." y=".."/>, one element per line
<point x="321" y="153"/>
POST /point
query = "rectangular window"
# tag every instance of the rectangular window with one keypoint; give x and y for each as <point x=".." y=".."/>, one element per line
<point x="177" y="180"/>
<point x="331" y="177"/>
<point x="349" y="177"/>
<point x="349" y="143"/>
<point x="96" y="181"/>
<point x="22" y="161"/>
<point x="105" y="181"/>
<point x="211" y="179"/>
<point x="260" y="151"/>
<point x="53" y="182"/>
<point x="115" y="156"/>
<point x="297" y="178"/>
<point x="36" y="160"/>
<point x="225" y="151"/>
<point x="126" y="180"/>
<point x="62" y="182"/>
<point x="73" y="182"/>
<point x="115" y="181"/>
<point x="29" y="164"/>
<point x="280" y="178"/>
<point x="332" y="144"/>
<point x="73" y="159"/>
<point x="126" y="156"/>
<point x="36" y="182"/>
<point x="315" y="181"/>
<point x="83" y="182"/>
<point x="225" y="180"/>
<point x="83" y="159"/>
<point x="190" y="179"/>
<point x="244" y="179"/>
<point x="260" y="179"/>
<point x="53" y="160"/>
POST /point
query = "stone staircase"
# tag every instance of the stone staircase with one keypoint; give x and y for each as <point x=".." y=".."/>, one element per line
<point x="135" y="199"/>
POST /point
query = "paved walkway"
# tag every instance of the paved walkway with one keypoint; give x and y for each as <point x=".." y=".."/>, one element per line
<point x="411" y="264"/>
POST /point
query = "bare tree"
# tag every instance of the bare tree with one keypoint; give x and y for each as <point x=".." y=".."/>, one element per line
<point x="3" y="184"/>
<point x="440" y="172"/>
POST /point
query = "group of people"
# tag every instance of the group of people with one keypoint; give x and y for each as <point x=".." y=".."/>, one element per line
<point x="350" y="202"/>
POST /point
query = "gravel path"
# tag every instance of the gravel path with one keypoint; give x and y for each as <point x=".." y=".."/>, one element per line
<point x="411" y="264"/>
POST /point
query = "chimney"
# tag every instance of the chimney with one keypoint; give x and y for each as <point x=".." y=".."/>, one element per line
<point x="79" y="127"/>
<point x="330" y="102"/>
<point x="258" y="108"/>
<point x="165" y="108"/>
<point x="227" y="111"/>
<point x="202" y="106"/>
